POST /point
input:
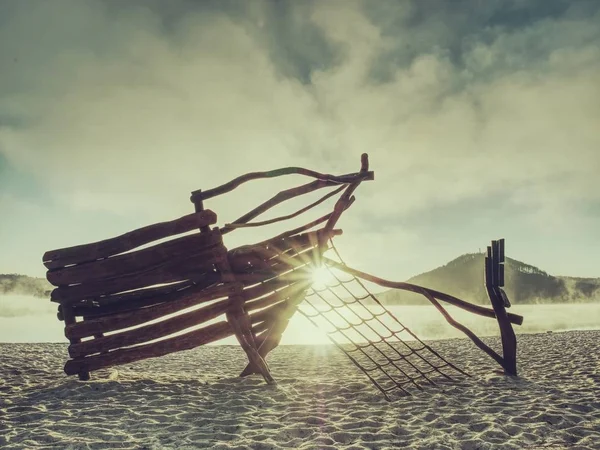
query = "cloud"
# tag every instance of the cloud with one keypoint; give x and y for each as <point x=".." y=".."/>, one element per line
<point x="126" y="107"/>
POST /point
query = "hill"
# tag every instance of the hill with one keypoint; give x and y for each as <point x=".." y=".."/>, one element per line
<point x="525" y="284"/>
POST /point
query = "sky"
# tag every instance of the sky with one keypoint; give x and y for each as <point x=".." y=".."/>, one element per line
<point x="481" y="119"/>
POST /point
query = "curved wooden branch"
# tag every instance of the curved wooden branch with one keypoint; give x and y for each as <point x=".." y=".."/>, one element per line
<point x="478" y="342"/>
<point x="277" y="199"/>
<point x="228" y="187"/>
<point x="237" y="224"/>
<point x="475" y="309"/>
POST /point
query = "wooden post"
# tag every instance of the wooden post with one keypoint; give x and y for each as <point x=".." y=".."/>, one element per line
<point x="236" y="315"/>
<point x="494" y="278"/>
<point x="272" y="336"/>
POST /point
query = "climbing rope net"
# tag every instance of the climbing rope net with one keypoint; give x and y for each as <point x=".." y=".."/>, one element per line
<point x="389" y="353"/>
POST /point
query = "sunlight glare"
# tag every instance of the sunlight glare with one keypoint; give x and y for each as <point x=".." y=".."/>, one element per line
<point x="321" y="277"/>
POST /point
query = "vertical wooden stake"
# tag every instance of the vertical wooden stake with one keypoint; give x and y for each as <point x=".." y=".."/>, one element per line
<point x="507" y="334"/>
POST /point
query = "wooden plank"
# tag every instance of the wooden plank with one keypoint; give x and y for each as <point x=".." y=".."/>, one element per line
<point x="170" y="271"/>
<point x="187" y="298"/>
<point x="128" y="241"/>
<point x="134" y="262"/>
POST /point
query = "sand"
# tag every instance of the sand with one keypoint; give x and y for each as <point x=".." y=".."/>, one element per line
<point x="194" y="399"/>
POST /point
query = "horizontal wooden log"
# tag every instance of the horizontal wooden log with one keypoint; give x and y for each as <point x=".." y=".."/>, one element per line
<point x="186" y="299"/>
<point x="278" y="296"/>
<point x="128" y="241"/>
<point x="276" y="257"/>
<point x="260" y="289"/>
<point x="135" y="262"/>
<point x="253" y="278"/>
<point x="165" y="327"/>
<point x="475" y="309"/>
<point x="170" y="271"/>
<point x="143" y="298"/>
<point x="139" y="298"/>
<point x="186" y="341"/>
<point x="206" y="335"/>
<point x="150" y="332"/>
<point x="284" y="243"/>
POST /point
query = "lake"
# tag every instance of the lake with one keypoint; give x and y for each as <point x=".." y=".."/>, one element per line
<point x="27" y="319"/>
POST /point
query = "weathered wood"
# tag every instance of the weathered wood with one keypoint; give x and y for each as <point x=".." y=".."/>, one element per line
<point x="150" y="332"/>
<point x="187" y="299"/>
<point x="165" y="327"/>
<point x="135" y="262"/>
<point x="206" y="335"/>
<point x="271" y="338"/>
<point x="307" y="226"/>
<point x="168" y="272"/>
<point x="141" y="298"/>
<point x="265" y="256"/>
<point x="274" y="284"/>
<point x="128" y="241"/>
<point x="185" y="341"/>
<point x="144" y="297"/>
<point x="278" y="296"/>
<point x="228" y="187"/>
<point x="237" y="224"/>
<point x="499" y="302"/>
<point x="346" y="199"/>
<point x="276" y="200"/>
<point x="240" y="322"/>
<point x="475" y="309"/>
<point x="478" y="342"/>
<point x="67" y="313"/>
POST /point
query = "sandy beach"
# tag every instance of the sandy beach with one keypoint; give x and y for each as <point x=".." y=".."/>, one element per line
<point x="194" y="399"/>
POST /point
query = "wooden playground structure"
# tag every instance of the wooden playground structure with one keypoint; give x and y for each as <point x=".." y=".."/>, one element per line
<point x="121" y="303"/>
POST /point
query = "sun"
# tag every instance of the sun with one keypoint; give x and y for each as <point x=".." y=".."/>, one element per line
<point x="321" y="277"/>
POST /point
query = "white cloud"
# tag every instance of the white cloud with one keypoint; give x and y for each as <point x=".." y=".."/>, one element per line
<point x="121" y="115"/>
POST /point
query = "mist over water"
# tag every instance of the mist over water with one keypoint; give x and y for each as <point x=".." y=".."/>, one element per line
<point x="30" y="319"/>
